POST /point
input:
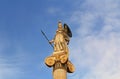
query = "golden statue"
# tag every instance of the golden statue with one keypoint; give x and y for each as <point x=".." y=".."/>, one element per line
<point x="59" y="59"/>
<point x="60" y="40"/>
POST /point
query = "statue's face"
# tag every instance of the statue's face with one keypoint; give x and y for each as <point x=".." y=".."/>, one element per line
<point x="59" y="25"/>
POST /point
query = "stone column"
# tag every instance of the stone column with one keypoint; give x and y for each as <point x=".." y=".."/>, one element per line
<point x="61" y="65"/>
<point x="59" y="71"/>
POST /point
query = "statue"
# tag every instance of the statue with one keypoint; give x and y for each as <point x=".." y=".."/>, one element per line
<point x="61" y="40"/>
<point x="60" y="56"/>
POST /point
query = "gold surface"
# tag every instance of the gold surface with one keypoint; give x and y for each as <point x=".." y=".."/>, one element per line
<point x="59" y="60"/>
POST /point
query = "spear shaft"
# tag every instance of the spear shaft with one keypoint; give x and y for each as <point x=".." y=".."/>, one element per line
<point x="46" y="38"/>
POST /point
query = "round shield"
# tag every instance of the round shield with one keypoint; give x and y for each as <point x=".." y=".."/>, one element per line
<point x="67" y="29"/>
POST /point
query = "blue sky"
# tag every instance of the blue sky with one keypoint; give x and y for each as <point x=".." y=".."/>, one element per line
<point x="94" y="47"/>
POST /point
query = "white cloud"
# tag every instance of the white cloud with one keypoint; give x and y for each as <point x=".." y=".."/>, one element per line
<point x="97" y="54"/>
<point x="10" y="64"/>
<point x="8" y="70"/>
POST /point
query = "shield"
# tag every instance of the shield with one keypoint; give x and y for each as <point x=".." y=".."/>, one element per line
<point x="67" y="30"/>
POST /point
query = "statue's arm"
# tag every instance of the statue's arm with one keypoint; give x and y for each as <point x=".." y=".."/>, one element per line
<point x="51" y="41"/>
<point x="67" y="39"/>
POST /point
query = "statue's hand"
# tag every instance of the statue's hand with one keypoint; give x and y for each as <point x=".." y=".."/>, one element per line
<point x="51" y="41"/>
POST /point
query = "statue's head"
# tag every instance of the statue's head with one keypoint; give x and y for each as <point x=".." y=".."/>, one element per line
<point x="59" y="25"/>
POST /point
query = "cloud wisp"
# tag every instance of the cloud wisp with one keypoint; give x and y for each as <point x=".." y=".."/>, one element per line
<point x="95" y="51"/>
<point x="11" y="61"/>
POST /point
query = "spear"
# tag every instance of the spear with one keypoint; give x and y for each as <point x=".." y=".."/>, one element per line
<point x="46" y="38"/>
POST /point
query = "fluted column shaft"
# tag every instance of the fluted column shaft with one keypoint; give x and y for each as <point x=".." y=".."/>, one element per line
<point x="59" y="71"/>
